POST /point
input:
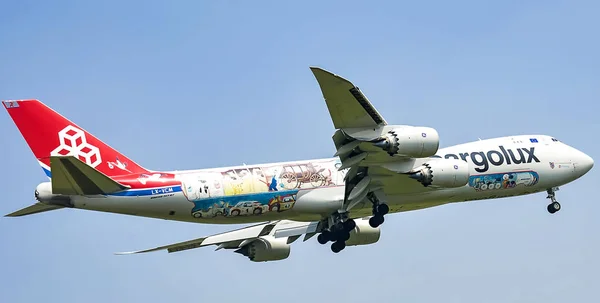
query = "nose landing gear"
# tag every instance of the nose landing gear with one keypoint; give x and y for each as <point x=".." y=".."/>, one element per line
<point x="554" y="206"/>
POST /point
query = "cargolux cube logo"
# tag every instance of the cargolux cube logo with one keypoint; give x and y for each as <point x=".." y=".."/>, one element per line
<point x="74" y="143"/>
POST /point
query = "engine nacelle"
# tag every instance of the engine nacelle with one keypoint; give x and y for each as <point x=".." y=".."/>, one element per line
<point x="363" y="234"/>
<point x="266" y="248"/>
<point x="415" y="142"/>
<point x="445" y="173"/>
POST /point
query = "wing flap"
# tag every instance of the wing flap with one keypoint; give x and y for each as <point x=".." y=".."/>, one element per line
<point x="294" y="229"/>
<point x="70" y="176"/>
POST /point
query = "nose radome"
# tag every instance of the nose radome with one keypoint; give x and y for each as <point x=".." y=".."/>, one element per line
<point x="583" y="163"/>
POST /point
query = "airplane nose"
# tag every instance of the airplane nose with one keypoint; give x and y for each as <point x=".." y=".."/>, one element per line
<point x="583" y="163"/>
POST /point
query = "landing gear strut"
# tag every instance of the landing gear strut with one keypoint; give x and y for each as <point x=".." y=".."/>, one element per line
<point x="379" y="210"/>
<point x="554" y="206"/>
<point x="338" y="231"/>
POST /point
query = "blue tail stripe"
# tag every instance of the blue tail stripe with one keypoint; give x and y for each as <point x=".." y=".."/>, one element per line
<point x="148" y="192"/>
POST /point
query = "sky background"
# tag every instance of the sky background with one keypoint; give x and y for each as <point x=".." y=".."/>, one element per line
<point x="199" y="84"/>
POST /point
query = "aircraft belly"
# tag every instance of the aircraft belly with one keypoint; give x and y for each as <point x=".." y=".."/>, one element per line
<point x="148" y="206"/>
<point x="236" y="209"/>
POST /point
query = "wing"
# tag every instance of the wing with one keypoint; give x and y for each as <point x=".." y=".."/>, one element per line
<point x="348" y="106"/>
<point x="288" y="230"/>
<point x="361" y="132"/>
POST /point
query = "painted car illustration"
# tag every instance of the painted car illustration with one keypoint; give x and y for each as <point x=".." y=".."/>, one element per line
<point x="209" y="213"/>
<point x="295" y="176"/>
<point x="281" y="203"/>
<point x="503" y="180"/>
<point x="245" y="208"/>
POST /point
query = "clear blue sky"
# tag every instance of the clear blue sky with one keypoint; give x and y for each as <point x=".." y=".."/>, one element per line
<point x="197" y="84"/>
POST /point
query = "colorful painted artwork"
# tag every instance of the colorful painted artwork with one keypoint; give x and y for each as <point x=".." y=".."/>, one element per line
<point x="503" y="180"/>
<point x="244" y="205"/>
<point x="284" y="177"/>
<point x="255" y="190"/>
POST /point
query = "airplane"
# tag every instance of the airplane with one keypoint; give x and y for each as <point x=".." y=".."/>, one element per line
<point x="377" y="169"/>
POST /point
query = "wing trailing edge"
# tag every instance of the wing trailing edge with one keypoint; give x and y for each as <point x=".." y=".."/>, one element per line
<point x="241" y="237"/>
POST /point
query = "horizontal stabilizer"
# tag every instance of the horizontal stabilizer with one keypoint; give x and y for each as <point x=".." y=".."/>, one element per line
<point x="70" y="176"/>
<point x="34" y="209"/>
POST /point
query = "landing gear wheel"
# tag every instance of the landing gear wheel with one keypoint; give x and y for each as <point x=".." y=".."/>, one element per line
<point x="349" y="225"/>
<point x="380" y="208"/>
<point x="383" y="209"/>
<point x="338" y="246"/>
<point x="376" y="220"/>
<point x="323" y="238"/>
<point x="553" y="207"/>
<point x="338" y="227"/>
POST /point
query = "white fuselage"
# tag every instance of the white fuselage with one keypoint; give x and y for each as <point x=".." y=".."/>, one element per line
<point x="311" y="190"/>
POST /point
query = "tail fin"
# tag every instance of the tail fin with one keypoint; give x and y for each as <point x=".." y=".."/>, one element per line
<point x="49" y="134"/>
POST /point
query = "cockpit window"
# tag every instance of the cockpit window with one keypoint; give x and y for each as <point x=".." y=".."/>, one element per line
<point x="555" y="140"/>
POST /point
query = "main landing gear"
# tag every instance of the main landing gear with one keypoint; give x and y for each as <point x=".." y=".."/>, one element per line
<point x="339" y="225"/>
<point x="338" y="232"/>
<point x="379" y="210"/>
<point x="554" y="206"/>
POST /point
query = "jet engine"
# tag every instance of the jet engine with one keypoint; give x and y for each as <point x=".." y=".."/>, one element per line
<point x="266" y="248"/>
<point x="415" y="142"/>
<point x="363" y="234"/>
<point x="444" y="173"/>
